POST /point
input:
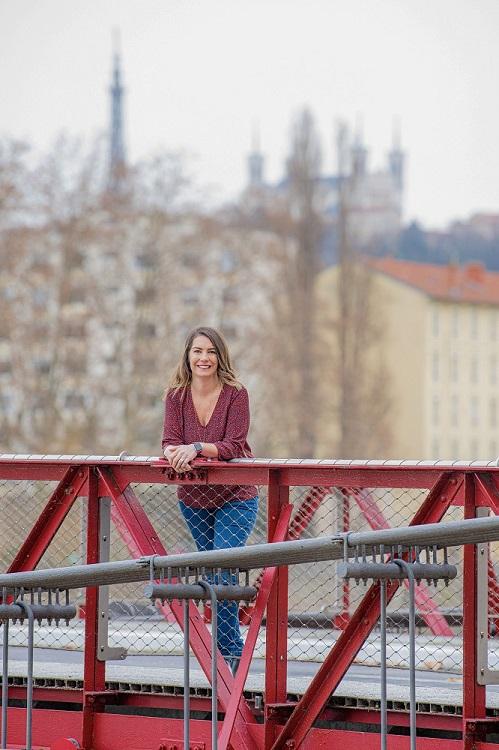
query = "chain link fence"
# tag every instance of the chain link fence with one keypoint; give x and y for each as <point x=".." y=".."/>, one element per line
<point x="320" y="603"/>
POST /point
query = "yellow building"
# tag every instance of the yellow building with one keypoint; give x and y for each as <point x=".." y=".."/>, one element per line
<point x="440" y="346"/>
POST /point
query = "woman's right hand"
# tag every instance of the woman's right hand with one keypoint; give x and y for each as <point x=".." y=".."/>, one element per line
<point x="179" y="457"/>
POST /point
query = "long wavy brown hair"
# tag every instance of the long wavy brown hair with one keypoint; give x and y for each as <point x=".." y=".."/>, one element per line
<point x="182" y="375"/>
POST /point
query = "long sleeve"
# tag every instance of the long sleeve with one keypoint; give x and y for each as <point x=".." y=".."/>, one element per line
<point x="172" y="424"/>
<point x="233" y="444"/>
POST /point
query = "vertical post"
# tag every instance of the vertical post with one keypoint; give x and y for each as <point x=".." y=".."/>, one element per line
<point x="5" y="679"/>
<point x="382" y="594"/>
<point x="29" y="686"/>
<point x="345" y="597"/>
<point x="187" y="680"/>
<point x="214" y="671"/>
<point x="473" y="693"/>
<point x="94" y="671"/>
<point x="277" y="615"/>
<point x="412" y="648"/>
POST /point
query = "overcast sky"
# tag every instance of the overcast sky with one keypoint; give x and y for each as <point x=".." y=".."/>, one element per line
<point x="199" y="73"/>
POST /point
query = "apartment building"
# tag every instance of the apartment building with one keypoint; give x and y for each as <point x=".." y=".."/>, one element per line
<point x="440" y="347"/>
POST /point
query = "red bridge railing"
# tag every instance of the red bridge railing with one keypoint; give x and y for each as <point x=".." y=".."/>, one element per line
<point x="51" y="512"/>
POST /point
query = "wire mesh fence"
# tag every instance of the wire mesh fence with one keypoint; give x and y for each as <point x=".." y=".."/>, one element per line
<point x="320" y="603"/>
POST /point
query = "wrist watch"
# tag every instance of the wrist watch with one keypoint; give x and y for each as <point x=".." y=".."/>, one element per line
<point x="198" y="447"/>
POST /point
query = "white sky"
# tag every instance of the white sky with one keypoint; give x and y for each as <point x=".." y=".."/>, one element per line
<point x="199" y="73"/>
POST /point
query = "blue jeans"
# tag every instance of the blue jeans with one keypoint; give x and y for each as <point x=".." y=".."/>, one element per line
<point x="221" y="528"/>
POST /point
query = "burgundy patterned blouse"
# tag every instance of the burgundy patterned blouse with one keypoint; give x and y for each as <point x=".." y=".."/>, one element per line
<point x="227" y="429"/>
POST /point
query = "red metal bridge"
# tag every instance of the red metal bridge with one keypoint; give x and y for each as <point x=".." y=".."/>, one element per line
<point x="306" y="627"/>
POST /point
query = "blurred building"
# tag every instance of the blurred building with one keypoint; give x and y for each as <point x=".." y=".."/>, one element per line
<point x="373" y="199"/>
<point x="440" y="346"/>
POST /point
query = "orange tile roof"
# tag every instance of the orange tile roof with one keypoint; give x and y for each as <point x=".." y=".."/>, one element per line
<point x="469" y="283"/>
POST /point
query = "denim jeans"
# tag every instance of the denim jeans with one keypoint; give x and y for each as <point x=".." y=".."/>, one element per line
<point x="221" y="528"/>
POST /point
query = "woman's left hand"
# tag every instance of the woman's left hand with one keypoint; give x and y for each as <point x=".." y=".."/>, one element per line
<point x="180" y="456"/>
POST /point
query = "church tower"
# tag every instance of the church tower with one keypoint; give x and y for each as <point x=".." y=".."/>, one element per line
<point x="255" y="162"/>
<point x="396" y="159"/>
<point x="117" y="160"/>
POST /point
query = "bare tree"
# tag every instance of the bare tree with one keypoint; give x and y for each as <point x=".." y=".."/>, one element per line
<point x="353" y="334"/>
<point x="290" y="338"/>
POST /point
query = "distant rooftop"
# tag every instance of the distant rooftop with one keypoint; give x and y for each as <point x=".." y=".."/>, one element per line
<point x="452" y="283"/>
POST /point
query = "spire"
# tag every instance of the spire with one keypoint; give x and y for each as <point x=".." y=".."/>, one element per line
<point x="255" y="159"/>
<point x="396" y="156"/>
<point x="359" y="152"/>
<point x="117" y="160"/>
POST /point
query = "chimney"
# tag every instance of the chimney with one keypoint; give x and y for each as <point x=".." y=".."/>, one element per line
<point x="475" y="272"/>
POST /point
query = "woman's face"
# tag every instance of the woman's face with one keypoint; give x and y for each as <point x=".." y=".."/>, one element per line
<point x="203" y="358"/>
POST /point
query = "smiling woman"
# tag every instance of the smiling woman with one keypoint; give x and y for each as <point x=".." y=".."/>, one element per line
<point x="207" y="414"/>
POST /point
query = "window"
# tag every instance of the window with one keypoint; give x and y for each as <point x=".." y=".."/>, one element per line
<point x="493" y="449"/>
<point x="454" y="368"/>
<point x="435" y="448"/>
<point x="493" y="412"/>
<point x="146" y="330"/>
<point x="435" y="321"/>
<point x="454" y="411"/>
<point x="74" y="400"/>
<point x="493" y="325"/>
<point x="435" y="366"/>
<point x="454" y="449"/>
<point x="474" y="449"/>
<point x="474" y="416"/>
<point x="455" y="321"/>
<point x="145" y="296"/>
<point x="474" y="322"/>
<point x="474" y="370"/>
<point x="435" y="410"/>
<point x="493" y="370"/>
<point x="145" y="261"/>
<point x="40" y="297"/>
<point x="41" y="366"/>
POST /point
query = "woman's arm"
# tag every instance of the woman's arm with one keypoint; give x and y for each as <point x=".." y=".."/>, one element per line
<point x="236" y="431"/>
<point x="172" y="424"/>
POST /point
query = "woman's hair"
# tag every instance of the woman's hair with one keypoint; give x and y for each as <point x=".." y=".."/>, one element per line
<point x="182" y="375"/>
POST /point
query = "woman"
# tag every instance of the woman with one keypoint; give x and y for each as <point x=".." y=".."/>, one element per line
<point x="207" y="414"/>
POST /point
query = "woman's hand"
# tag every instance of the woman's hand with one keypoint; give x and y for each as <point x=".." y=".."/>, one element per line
<point x="179" y="456"/>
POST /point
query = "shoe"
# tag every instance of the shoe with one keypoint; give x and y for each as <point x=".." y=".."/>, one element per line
<point x="233" y="663"/>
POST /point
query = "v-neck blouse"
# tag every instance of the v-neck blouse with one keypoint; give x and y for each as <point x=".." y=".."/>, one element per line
<point x="227" y="428"/>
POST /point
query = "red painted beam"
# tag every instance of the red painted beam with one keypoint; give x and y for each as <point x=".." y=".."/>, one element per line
<point x="277" y="532"/>
<point x="362" y="622"/>
<point x="147" y="540"/>
<point x="49" y="521"/>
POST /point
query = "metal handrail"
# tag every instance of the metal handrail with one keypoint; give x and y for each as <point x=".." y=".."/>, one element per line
<point x="125" y="458"/>
<point x="453" y="533"/>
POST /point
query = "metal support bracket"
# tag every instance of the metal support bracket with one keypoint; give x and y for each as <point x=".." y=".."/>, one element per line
<point x="105" y="651"/>
<point x="485" y="675"/>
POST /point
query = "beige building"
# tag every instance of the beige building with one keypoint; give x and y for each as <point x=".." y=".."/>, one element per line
<point x="440" y="346"/>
